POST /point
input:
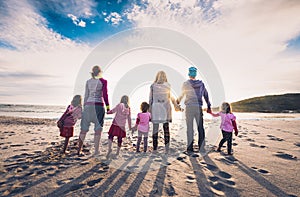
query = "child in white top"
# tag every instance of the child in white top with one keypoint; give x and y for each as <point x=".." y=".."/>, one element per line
<point x="142" y="125"/>
<point x="227" y="126"/>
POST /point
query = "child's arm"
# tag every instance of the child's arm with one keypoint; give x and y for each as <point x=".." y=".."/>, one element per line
<point x="235" y="127"/>
<point x="214" y="115"/>
<point x="112" y="110"/>
<point x="136" y="124"/>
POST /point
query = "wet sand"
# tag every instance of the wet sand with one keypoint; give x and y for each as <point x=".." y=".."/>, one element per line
<point x="265" y="163"/>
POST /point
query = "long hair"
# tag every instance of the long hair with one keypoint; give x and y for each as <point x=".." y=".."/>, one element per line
<point x="76" y="101"/>
<point x="225" y="108"/>
<point x="95" y="71"/>
<point x="125" y="100"/>
<point x="161" y="77"/>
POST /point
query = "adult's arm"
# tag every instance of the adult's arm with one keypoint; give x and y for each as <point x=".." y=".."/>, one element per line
<point x="183" y="93"/>
<point x="129" y="120"/>
<point x="86" y="93"/>
<point x="206" y="98"/>
<point x="104" y="93"/>
<point x="151" y="98"/>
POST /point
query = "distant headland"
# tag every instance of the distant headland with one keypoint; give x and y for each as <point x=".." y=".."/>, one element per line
<point x="285" y="103"/>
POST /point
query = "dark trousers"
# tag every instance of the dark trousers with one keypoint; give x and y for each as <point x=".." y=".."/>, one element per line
<point x="166" y="135"/>
<point x="227" y="136"/>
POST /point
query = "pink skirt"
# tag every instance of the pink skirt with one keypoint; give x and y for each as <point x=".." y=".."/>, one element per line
<point x="115" y="130"/>
<point x="66" y="131"/>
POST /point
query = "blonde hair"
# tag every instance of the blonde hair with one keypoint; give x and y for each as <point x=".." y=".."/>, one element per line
<point x="226" y="108"/>
<point x="125" y="100"/>
<point x="76" y="101"/>
<point x="161" y="77"/>
<point x="95" y="71"/>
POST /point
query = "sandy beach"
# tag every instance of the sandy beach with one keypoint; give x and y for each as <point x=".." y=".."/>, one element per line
<point x="265" y="163"/>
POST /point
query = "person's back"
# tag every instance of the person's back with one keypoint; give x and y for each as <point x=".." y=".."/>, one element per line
<point x="144" y="118"/>
<point x="194" y="91"/>
<point x="121" y="116"/>
<point x="94" y="91"/>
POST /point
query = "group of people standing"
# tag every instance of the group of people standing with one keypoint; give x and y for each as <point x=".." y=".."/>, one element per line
<point x="158" y="111"/>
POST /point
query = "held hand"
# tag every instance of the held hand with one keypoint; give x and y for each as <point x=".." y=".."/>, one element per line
<point x="208" y="110"/>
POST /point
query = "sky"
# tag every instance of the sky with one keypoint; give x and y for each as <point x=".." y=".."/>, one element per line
<point x="254" y="45"/>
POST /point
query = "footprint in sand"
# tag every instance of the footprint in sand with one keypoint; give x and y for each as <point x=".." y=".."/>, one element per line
<point x="272" y="137"/>
<point x="93" y="182"/>
<point x="190" y="178"/>
<point x="297" y="144"/>
<point x="16" y="145"/>
<point x="286" y="156"/>
<point x="262" y="171"/>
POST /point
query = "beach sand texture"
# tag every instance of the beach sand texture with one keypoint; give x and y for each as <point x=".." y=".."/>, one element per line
<point x="265" y="163"/>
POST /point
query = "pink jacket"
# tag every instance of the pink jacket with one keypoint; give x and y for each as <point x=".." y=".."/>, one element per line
<point x="71" y="115"/>
<point x="226" y="121"/>
<point x="122" y="114"/>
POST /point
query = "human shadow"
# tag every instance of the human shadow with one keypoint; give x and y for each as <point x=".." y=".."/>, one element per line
<point x="201" y="179"/>
<point x="100" y="190"/>
<point x="261" y="180"/>
<point x="221" y="180"/>
<point x="31" y="169"/>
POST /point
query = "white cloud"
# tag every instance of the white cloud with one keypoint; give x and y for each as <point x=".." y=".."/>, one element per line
<point x="53" y="59"/>
<point x="114" y="18"/>
<point x="246" y="39"/>
<point x="79" y="8"/>
<point x="76" y="21"/>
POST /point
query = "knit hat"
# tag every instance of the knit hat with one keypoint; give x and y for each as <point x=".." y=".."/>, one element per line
<point x="192" y="71"/>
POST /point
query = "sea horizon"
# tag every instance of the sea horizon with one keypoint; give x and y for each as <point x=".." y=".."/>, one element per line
<point x="55" y="111"/>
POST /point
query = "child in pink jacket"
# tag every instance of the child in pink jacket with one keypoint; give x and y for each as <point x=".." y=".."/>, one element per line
<point x="227" y="126"/>
<point x="117" y="128"/>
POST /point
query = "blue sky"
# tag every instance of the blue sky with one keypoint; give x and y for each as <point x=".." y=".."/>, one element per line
<point x="255" y="45"/>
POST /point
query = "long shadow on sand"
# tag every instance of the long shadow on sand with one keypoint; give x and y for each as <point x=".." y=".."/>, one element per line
<point x="118" y="184"/>
<point x="220" y="181"/>
<point x="33" y="169"/>
<point x="261" y="180"/>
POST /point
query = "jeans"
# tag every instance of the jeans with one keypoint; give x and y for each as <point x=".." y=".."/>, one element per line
<point x="194" y="112"/>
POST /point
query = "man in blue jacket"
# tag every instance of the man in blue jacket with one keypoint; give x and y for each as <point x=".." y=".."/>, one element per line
<point x="193" y="90"/>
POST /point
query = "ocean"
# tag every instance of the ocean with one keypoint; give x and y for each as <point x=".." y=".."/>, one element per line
<point x="54" y="112"/>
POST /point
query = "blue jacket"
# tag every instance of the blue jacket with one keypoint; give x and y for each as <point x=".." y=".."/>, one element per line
<point x="194" y="90"/>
